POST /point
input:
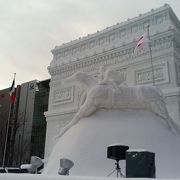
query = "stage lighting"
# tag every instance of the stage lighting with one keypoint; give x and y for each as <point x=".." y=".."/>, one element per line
<point x="65" y="166"/>
<point x="117" y="152"/>
<point x="35" y="165"/>
<point x="26" y="168"/>
<point x="36" y="161"/>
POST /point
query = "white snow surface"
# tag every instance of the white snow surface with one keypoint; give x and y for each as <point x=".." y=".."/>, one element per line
<point x="86" y="143"/>
<point x="55" y="177"/>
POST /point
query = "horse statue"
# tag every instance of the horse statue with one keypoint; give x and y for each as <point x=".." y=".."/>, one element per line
<point x="109" y="93"/>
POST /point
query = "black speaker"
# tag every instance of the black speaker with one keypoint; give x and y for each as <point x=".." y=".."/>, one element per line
<point x="140" y="164"/>
<point x="117" y="152"/>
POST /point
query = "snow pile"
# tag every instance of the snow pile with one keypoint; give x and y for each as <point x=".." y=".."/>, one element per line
<point x="86" y="143"/>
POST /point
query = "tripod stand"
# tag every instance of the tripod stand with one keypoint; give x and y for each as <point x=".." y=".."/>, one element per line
<point x="118" y="170"/>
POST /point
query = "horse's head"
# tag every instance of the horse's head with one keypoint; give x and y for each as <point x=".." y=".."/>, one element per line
<point x="76" y="77"/>
<point x="81" y="79"/>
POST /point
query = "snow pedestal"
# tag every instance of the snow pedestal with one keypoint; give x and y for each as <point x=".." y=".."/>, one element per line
<point x="86" y="143"/>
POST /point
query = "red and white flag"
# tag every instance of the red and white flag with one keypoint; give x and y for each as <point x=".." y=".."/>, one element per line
<point x="142" y="42"/>
<point x="12" y="92"/>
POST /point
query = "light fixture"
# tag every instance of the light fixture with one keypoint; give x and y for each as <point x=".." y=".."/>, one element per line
<point x="65" y="166"/>
<point x="35" y="165"/>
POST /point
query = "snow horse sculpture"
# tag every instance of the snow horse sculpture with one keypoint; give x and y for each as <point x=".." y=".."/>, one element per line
<point x="109" y="93"/>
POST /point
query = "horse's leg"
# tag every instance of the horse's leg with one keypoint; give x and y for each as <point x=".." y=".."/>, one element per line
<point x="82" y="99"/>
<point x="159" y="108"/>
<point x="87" y="109"/>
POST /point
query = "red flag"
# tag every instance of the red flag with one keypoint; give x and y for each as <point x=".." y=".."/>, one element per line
<point x="142" y="42"/>
<point x="12" y="92"/>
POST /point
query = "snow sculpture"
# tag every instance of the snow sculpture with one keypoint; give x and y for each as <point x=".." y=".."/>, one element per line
<point x="109" y="93"/>
<point x="112" y="77"/>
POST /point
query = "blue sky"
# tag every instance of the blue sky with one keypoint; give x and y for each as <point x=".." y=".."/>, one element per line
<point x="30" y="29"/>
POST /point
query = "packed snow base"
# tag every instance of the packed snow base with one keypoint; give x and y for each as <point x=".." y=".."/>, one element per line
<point x="86" y="143"/>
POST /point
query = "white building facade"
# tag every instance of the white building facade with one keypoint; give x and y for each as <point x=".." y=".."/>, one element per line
<point x="113" y="47"/>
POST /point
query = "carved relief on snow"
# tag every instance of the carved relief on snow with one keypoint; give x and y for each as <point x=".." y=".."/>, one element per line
<point x="160" y="71"/>
<point x="109" y="93"/>
<point x="62" y="96"/>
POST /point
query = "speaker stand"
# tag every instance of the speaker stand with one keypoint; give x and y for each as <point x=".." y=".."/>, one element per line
<point x="117" y="170"/>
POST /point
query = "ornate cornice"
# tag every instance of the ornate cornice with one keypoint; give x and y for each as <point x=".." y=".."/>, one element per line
<point x="174" y="19"/>
<point x="117" y="55"/>
<point x="142" y="17"/>
<point x="115" y="36"/>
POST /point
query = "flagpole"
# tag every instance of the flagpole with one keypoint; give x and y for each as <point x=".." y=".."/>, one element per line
<point x="5" y="144"/>
<point x="7" y="131"/>
<point x="150" y="52"/>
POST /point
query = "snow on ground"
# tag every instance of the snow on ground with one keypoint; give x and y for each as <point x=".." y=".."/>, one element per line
<point x="48" y="177"/>
<point x="86" y="143"/>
